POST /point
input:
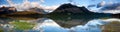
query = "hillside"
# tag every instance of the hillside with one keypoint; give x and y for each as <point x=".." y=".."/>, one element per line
<point x="70" y="8"/>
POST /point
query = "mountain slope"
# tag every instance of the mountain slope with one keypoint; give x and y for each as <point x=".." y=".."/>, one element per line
<point x="7" y="10"/>
<point x="69" y="8"/>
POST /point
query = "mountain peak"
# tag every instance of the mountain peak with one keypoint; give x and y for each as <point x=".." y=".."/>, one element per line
<point x="70" y="8"/>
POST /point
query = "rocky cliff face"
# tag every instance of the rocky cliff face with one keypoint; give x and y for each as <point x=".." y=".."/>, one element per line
<point x="7" y="10"/>
<point x="69" y="8"/>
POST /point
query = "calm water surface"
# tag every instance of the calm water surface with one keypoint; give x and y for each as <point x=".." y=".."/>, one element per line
<point x="53" y="24"/>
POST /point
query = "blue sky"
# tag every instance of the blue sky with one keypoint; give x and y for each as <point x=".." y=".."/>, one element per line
<point x="56" y="2"/>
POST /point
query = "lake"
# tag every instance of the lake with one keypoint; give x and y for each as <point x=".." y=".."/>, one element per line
<point x="60" y="23"/>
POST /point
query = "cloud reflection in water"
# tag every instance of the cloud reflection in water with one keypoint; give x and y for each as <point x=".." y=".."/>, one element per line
<point x="51" y="26"/>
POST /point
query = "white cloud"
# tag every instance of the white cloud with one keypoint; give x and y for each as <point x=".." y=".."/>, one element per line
<point x="112" y="11"/>
<point x="113" y="8"/>
<point x="51" y="7"/>
<point x="41" y="1"/>
<point x="4" y="5"/>
<point x="34" y="4"/>
<point x="10" y="2"/>
<point x="27" y="5"/>
<point x="101" y="4"/>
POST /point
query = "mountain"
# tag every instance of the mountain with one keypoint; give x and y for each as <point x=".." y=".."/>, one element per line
<point x="7" y="10"/>
<point x="29" y="12"/>
<point x="37" y="10"/>
<point x="69" y="8"/>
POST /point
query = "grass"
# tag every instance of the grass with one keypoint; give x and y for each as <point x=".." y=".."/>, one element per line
<point x="22" y="25"/>
<point x="1" y="30"/>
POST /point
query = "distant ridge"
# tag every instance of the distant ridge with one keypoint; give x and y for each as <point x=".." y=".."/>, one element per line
<point x="7" y="10"/>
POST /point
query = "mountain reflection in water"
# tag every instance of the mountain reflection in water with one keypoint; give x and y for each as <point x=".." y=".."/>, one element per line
<point x="49" y="25"/>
